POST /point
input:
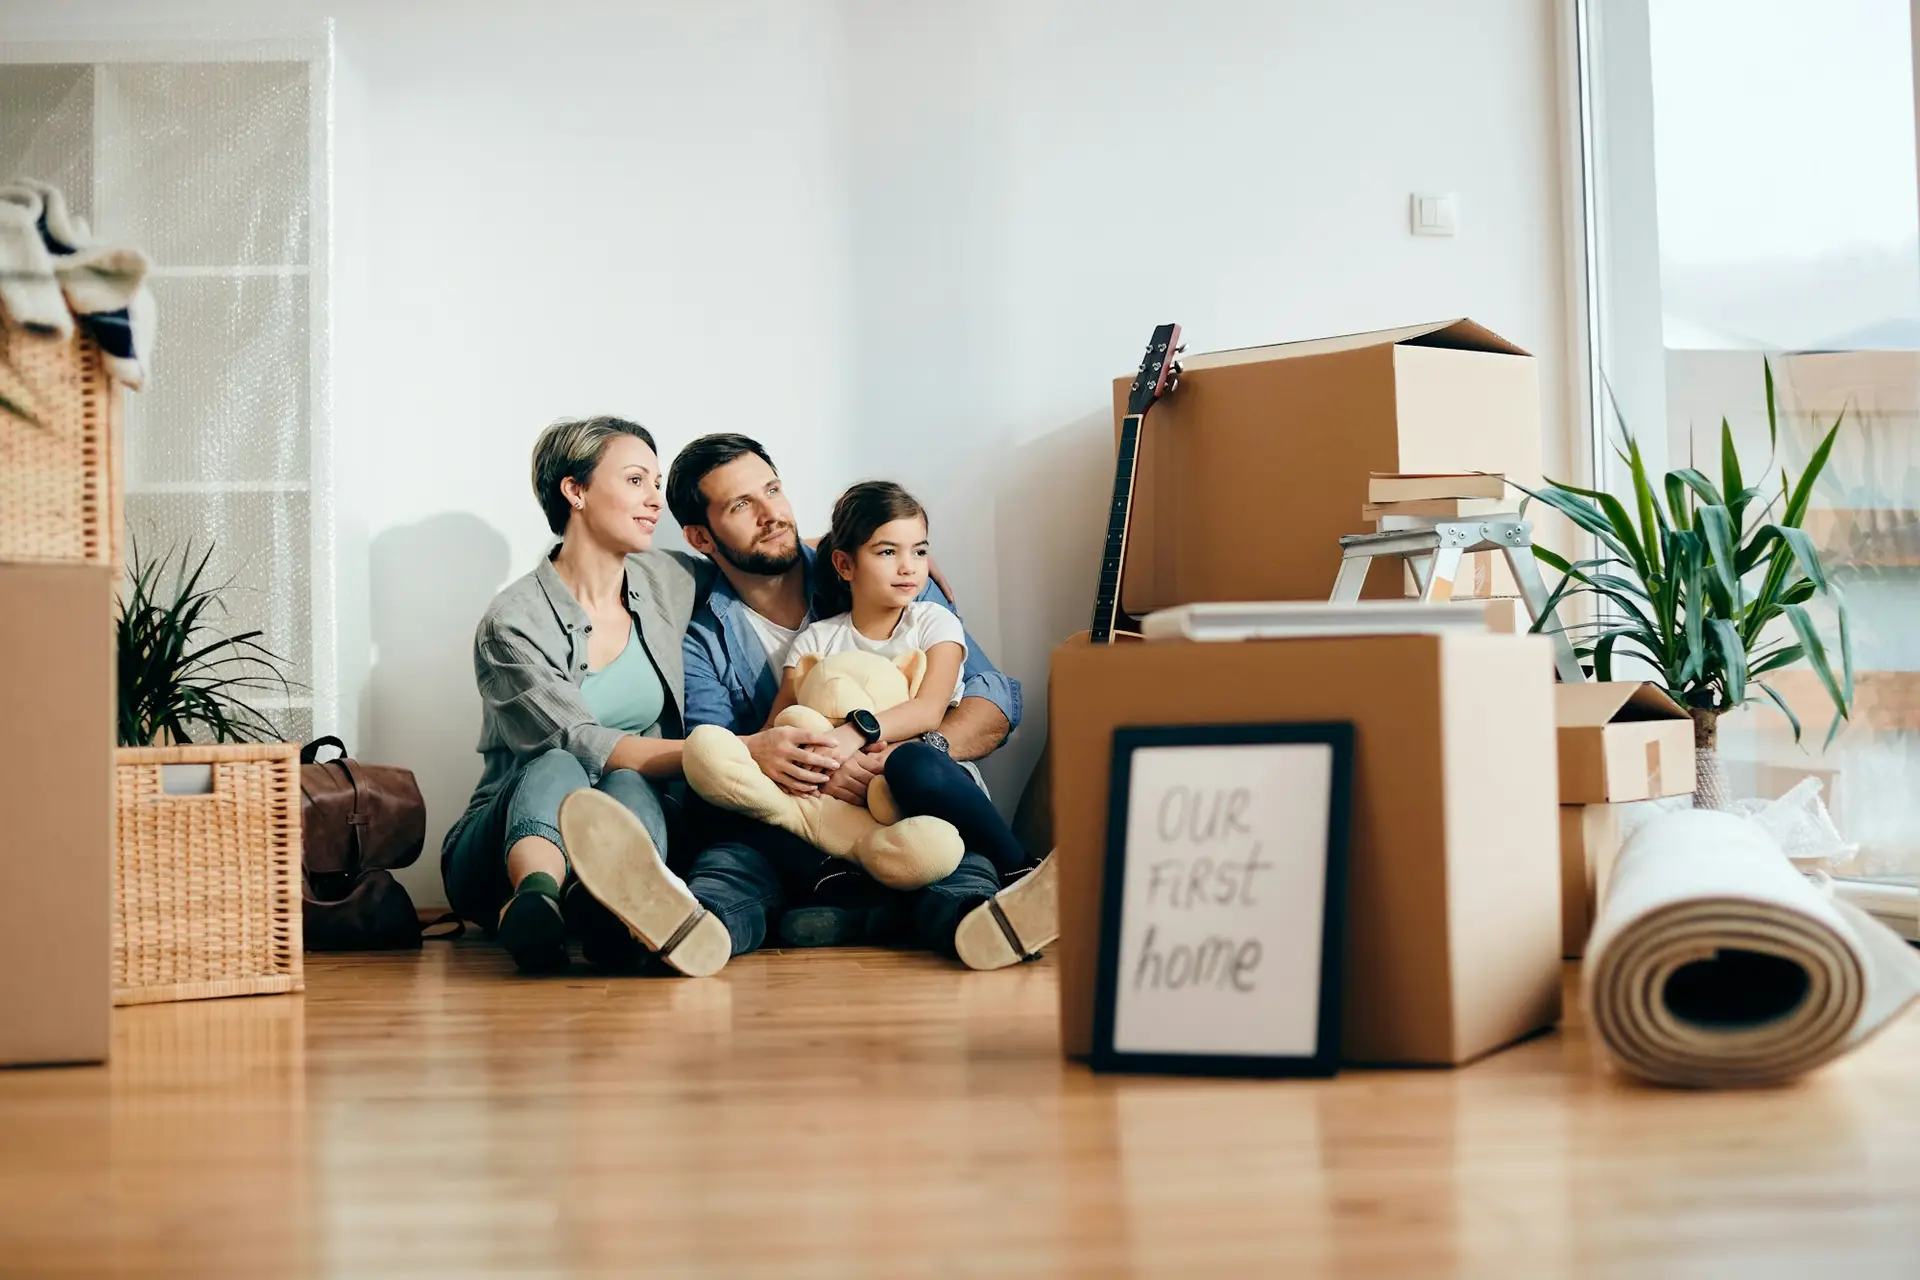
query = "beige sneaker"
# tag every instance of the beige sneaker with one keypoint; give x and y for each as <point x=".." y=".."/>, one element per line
<point x="616" y="862"/>
<point x="1015" y="923"/>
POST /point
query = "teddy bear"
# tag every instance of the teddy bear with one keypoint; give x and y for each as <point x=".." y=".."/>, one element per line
<point x="899" y="852"/>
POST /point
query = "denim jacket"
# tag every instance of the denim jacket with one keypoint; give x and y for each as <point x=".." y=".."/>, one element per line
<point x="731" y="683"/>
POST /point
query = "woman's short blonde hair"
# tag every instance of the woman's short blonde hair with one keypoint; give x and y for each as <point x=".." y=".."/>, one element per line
<point x="573" y="448"/>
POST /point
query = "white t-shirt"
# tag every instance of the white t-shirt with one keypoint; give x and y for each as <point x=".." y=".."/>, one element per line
<point x="774" y="638"/>
<point x="923" y="624"/>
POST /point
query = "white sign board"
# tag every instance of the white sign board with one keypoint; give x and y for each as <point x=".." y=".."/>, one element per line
<point x="1221" y="882"/>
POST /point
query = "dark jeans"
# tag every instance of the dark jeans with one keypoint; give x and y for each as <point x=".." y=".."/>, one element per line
<point x="751" y="873"/>
<point x="473" y="865"/>
<point x="930" y="783"/>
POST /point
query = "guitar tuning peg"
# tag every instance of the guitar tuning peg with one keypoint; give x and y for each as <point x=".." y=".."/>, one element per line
<point x="1182" y="347"/>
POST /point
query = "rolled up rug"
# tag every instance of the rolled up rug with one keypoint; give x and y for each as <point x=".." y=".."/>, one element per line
<point x="1714" y="963"/>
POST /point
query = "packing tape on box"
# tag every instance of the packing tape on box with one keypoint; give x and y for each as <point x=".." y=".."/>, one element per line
<point x="1713" y="962"/>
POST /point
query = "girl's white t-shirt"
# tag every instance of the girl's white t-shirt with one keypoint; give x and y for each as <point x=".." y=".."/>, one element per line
<point x="922" y="625"/>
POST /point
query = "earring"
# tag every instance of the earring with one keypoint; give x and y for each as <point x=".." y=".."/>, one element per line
<point x="577" y="504"/>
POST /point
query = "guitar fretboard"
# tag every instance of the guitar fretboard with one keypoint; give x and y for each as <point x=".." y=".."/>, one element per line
<point x="1106" y="604"/>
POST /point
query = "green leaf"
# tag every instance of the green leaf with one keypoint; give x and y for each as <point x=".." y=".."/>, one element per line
<point x="1785" y="710"/>
<point x="1603" y="657"/>
<point x="1773" y="421"/>
<point x="1643" y="496"/>
<point x="1677" y="501"/>
<point x="1846" y="653"/>
<point x="1699" y="483"/>
<point x="1716" y="525"/>
<point x="1733" y="658"/>
<point x="1800" y="543"/>
<point x="1730" y="478"/>
<point x="1803" y="492"/>
<point x="1567" y="500"/>
<point x="1693" y="572"/>
<point x="1817" y="658"/>
<point x="1775" y="660"/>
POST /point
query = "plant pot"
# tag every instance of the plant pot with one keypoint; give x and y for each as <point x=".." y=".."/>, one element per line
<point x="1710" y="790"/>
<point x="206" y="887"/>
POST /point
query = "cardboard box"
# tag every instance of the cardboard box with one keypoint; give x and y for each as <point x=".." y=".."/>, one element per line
<point x="1453" y="925"/>
<point x="57" y="795"/>
<point x="1257" y="465"/>
<point x="1589" y="843"/>
<point x="1621" y="741"/>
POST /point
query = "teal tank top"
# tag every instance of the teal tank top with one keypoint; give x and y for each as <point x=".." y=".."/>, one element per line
<point x="626" y="693"/>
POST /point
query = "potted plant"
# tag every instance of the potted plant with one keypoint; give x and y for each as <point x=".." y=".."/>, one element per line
<point x="1708" y="585"/>
<point x="207" y="855"/>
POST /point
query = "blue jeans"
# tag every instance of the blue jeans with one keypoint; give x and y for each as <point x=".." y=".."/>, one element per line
<point x="473" y="865"/>
<point x="766" y="870"/>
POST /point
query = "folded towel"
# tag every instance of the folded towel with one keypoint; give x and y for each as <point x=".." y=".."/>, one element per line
<point x="104" y="287"/>
<point x="28" y="287"/>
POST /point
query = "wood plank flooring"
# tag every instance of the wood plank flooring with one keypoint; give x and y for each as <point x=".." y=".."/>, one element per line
<point x="871" y="1113"/>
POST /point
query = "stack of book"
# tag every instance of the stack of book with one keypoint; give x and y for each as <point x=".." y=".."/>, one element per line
<point x="1437" y="497"/>
<point x="1403" y="500"/>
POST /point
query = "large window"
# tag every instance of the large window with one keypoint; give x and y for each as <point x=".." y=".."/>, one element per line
<point x="1752" y="194"/>
<point x="214" y="165"/>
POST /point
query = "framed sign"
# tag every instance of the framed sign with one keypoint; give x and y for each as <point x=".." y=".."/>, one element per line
<point x="1224" y="900"/>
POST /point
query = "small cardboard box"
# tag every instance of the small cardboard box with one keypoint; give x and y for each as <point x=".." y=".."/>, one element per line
<point x="1250" y="473"/>
<point x="1589" y="843"/>
<point x="57" y="798"/>
<point x="1621" y="741"/>
<point x="1453" y="892"/>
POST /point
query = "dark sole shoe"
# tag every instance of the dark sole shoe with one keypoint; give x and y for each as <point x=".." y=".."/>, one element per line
<point x="534" y="932"/>
<point x="823" y="926"/>
<point x="605" y="943"/>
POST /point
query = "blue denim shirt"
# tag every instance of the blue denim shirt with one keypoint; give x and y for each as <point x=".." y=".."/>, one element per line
<point x="731" y="683"/>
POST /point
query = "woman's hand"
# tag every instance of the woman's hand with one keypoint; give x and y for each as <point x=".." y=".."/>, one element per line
<point x="857" y="772"/>
<point x="797" y="759"/>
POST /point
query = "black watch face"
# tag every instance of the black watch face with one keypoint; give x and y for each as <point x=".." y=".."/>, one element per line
<point x="866" y="722"/>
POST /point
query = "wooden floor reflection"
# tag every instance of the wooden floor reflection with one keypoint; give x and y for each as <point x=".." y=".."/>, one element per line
<point x="882" y="1114"/>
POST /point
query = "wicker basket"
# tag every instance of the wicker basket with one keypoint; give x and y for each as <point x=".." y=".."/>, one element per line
<point x="207" y="886"/>
<point x="60" y="479"/>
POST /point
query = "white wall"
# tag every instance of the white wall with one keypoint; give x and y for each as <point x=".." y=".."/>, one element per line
<point x="912" y="240"/>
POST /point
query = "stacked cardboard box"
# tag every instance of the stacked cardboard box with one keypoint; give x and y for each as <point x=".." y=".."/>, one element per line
<point x="1248" y="477"/>
<point x="57" y="710"/>
<point x="1618" y="743"/>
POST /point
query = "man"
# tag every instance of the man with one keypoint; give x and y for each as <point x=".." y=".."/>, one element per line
<point x="732" y="507"/>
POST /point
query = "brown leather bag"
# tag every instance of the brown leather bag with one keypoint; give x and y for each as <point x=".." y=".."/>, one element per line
<point x="359" y="823"/>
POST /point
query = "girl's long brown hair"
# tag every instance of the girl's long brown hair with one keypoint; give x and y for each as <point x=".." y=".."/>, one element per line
<point x="861" y="510"/>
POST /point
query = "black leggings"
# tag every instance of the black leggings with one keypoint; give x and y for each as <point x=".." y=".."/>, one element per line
<point x="928" y="783"/>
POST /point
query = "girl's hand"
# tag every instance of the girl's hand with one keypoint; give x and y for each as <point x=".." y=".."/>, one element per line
<point x="843" y="742"/>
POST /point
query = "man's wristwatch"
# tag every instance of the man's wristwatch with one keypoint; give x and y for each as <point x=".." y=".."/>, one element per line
<point x="937" y="740"/>
<point x="867" y="723"/>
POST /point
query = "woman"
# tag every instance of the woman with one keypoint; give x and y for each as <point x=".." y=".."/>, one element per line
<point x="579" y="671"/>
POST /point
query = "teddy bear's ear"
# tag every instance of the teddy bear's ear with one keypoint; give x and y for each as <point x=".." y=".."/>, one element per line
<point x="807" y="662"/>
<point x="913" y="665"/>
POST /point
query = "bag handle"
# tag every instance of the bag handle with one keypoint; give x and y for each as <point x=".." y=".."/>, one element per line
<point x="310" y="754"/>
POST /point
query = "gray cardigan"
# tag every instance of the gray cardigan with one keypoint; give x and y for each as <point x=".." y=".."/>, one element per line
<point x="530" y="655"/>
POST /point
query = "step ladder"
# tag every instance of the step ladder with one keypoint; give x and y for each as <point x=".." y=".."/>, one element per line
<point x="1433" y="549"/>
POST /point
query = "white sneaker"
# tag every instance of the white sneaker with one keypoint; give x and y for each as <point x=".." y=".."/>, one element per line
<point x="1015" y="923"/>
<point x="615" y="861"/>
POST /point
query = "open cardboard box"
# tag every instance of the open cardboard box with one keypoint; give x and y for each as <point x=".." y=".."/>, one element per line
<point x="1589" y="845"/>
<point x="1259" y="463"/>
<point x="1622" y="741"/>
<point x="57" y="795"/>
<point x="1453" y="931"/>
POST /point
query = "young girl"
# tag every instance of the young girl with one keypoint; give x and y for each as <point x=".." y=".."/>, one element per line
<point x="878" y="553"/>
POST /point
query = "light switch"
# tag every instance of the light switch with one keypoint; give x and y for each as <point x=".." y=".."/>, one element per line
<point x="1433" y="214"/>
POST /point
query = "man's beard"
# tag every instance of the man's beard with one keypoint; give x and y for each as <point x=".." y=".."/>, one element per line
<point x="766" y="564"/>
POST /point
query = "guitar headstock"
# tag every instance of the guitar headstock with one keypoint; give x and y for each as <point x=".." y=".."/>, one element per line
<point x="1159" y="371"/>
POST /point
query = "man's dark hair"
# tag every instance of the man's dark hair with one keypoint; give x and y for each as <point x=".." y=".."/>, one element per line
<point x="694" y="464"/>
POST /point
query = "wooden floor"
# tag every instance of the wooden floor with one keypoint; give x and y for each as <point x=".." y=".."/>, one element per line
<point x="879" y="1114"/>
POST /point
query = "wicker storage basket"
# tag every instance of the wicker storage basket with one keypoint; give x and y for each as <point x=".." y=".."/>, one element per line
<point x="207" y="886"/>
<point x="60" y="481"/>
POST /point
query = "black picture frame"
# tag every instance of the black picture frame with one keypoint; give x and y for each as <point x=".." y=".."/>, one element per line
<point x="1325" y="1059"/>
